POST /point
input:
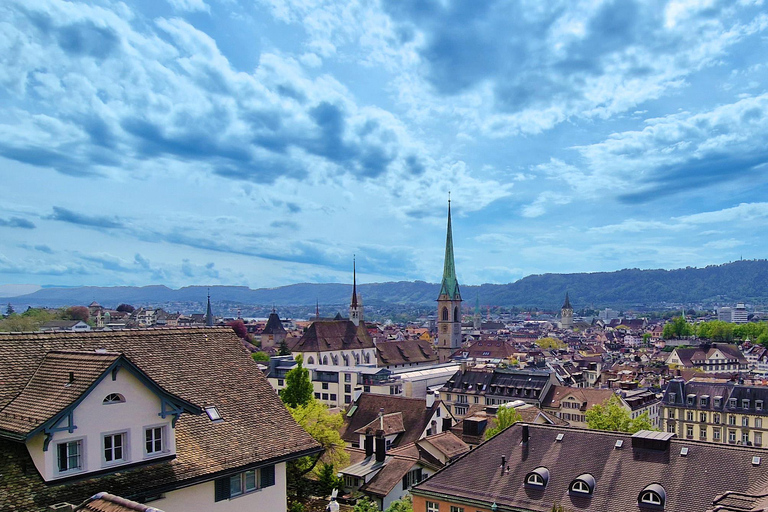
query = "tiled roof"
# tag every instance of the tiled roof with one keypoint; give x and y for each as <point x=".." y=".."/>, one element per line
<point x="691" y="482"/>
<point x="392" y="423"/>
<point x="414" y="413"/>
<point x="587" y="396"/>
<point x="105" y="502"/>
<point x="390" y="475"/>
<point x="322" y="336"/>
<point x="447" y="443"/>
<point x="203" y="366"/>
<point x="404" y="352"/>
<point x="274" y="325"/>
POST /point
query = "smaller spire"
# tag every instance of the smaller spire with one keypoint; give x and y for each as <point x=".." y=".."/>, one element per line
<point x="567" y="304"/>
<point x="353" y="304"/>
<point x="317" y="309"/>
<point x="209" y="313"/>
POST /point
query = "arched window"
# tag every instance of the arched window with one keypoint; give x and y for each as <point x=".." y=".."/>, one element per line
<point x="537" y="478"/>
<point x="345" y="357"/>
<point x="357" y="358"/>
<point x="456" y="317"/>
<point x="335" y="359"/>
<point x="113" y="398"/>
<point x="325" y="359"/>
<point x="445" y="315"/>
<point x="311" y="360"/>
<point x="653" y="496"/>
<point x="583" y="485"/>
<point x="367" y="358"/>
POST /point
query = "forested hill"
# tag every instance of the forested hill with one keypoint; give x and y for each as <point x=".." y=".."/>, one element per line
<point x="742" y="281"/>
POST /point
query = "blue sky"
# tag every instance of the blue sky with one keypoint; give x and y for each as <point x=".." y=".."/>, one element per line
<point x="263" y="143"/>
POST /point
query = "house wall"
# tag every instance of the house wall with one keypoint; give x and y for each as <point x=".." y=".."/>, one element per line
<point x="730" y="426"/>
<point x="93" y="419"/>
<point x="201" y="498"/>
<point x="420" y="505"/>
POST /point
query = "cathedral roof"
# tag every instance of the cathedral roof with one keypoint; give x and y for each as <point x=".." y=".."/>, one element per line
<point x="274" y="325"/>
<point x="567" y="304"/>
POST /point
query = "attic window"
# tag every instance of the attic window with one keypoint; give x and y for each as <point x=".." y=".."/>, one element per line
<point x="691" y="399"/>
<point x="213" y="413"/>
<point x="537" y="478"/>
<point x="583" y="485"/>
<point x="113" y="398"/>
<point x="619" y="444"/>
<point x="559" y="437"/>
<point x="732" y="402"/>
<point x="756" y="460"/>
<point x="672" y="397"/>
<point x="684" y="451"/>
<point x="653" y="496"/>
<point x="759" y="405"/>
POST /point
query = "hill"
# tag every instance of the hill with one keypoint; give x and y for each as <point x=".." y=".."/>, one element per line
<point x="740" y="281"/>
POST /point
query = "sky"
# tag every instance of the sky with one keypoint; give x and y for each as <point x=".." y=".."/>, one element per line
<point x="265" y="142"/>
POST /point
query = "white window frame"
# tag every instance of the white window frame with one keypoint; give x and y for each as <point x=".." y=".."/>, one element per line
<point x="432" y="506"/>
<point x="164" y="445"/>
<point x="124" y="434"/>
<point x="81" y="449"/>
<point x="243" y="478"/>
<point x="580" y="487"/>
<point x="110" y="400"/>
<point x="535" y="479"/>
<point x="651" y="498"/>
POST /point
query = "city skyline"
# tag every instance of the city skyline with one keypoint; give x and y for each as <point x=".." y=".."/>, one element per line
<point x="264" y="143"/>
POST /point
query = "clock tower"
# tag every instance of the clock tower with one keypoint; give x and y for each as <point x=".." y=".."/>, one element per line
<point x="448" y="303"/>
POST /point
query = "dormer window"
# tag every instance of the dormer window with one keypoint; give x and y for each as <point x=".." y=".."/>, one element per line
<point x="718" y="401"/>
<point x="583" y="485"/>
<point x="538" y="478"/>
<point x="653" y="496"/>
<point x="113" y="398"/>
<point x="671" y="397"/>
<point x="732" y="403"/>
<point x="759" y="405"/>
<point x="745" y="403"/>
<point x="213" y="413"/>
<point x="691" y="399"/>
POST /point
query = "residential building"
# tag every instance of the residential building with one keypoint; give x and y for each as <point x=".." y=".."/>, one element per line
<point x="721" y="412"/>
<point x="714" y="358"/>
<point x="130" y="412"/>
<point x="572" y="404"/>
<point x="495" y="387"/>
<point x="336" y="343"/>
<point x="538" y="467"/>
<point x="65" y="325"/>
<point x="643" y="401"/>
<point x="448" y="302"/>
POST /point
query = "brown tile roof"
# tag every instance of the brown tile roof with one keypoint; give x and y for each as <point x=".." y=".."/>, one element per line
<point x="203" y="366"/>
<point x="691" y="482"/>
<point x="588" y="397"/>
<point x="105" y="502"/>
<point x="404" y="352"/>
<point x="414" y="412"/>
<point x="393" y="424"/>
<point x="327" y="335"/>
<point x="448" y="444"/>
<point x="390" y="475"/>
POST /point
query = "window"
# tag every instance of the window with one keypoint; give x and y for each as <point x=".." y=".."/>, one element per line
<point x="702" y="433"/>
<point x="716" y="418"/>
<point x="347" y="399"/>
<point x="671" y="414"/>
<point x="703" y="401"/>
<point x="454" y="508"/>
<point x="476" y="399"/>
<point x="351" y="481"/>
<point x="114" y="447"/>
<point x="537" y="478"/>
<point x="731" y="419"/>
<point x="347" y="388"/>
<point x="583" y="484"/>
<point x="579" y="486"/>
<point x="113" y="398"/>
<point x="716" y="434"/>
<point x="70" y="456"/>
<point x="432" y="506"/>
<point x="745" y="404"/>
<point x="745" y="421"/>
<point x="759" y="405"/>
<point x="347" y="377"/>
<point x="703" y="417"/>
<point x="758" y="438"/>
<point x="758" y="422"/>
<point x="411" y="478"/>
<point x="333" y="397"/>
<point x="325" y="396"/>
<point x="244" y="483"/>
<point x="689" y="431"/>
<point x="534" y="479"/>
<point x="691" y="399"/>
<point x="689" y="415"/>
<point x="325" y="385"/>
<point x="213" y="413"/>
<point x="317" y="395"/>
<point x="731" y="436"/>
<point x="447" y="397"/>
<point x="732" y="403"/>
<point x="671" y="398"/>
<point x="445" y="314"/>
<point x="153" y="440"/>
<point x="281" y="382"/>
<point x="718" y="401"/>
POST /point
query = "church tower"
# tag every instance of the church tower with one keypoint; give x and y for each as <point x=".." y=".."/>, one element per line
<point x="208" y="312"/>
<point x="566" y="314"/>
<point x="477" y="320"/>
<point x="356" y="304"/>
<point x="448" y="303"/>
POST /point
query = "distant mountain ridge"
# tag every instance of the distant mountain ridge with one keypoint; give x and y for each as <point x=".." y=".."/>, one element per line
<point x="739" y="281"/>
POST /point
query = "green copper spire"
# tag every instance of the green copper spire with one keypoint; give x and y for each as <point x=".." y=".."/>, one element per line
<point x="450" y="285"/>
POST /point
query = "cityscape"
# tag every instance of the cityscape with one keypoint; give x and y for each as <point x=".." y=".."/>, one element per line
<point x="377" y="256"/>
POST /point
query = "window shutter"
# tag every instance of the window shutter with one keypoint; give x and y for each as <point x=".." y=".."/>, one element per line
<point x="405" y="481"/>
<point x="267" y="476"/>
<point x="222" y="489"/>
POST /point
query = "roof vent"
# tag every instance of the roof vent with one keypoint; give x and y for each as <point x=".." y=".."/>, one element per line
<point x="756" y="460"/>
<point x="559" y="438"/>
<point x="619" y="444"/>
<point x="684" y="451"/>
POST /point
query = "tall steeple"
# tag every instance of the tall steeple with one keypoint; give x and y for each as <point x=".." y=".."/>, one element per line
<point x="208" y="313"/>
<point x="448" y="302"/>
<point x="450" y="285"/>
<point x="355" y="305"/>
<point x="566" y="314"/>
<point x="477" y="318"/>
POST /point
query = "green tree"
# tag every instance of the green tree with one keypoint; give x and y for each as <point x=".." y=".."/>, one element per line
<point x="611" y="415"/>
<point x="29" y="321"/>
<point x="298" y="388"/>
<point x="505" y="417"/>
<point x="550" y="343"/>
<point x="9" y="310"/>
<point x="402" y="505"/>
<point x="677" y="328"/>
<point x="77" y="313"/>
<point x="283" y="350"/>
<point x="328" y="479"/>
<point x="365" y="505"/>
<point x="260" y="357"/>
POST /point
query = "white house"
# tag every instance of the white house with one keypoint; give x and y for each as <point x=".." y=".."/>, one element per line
<point x="181" y="418"/>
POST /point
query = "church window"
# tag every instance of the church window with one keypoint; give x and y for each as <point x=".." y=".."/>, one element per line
<point x="456" y="317"/>
<point x="311" y="360"/>
<point x="445" y="314"/>
<point x="325" y="359"/>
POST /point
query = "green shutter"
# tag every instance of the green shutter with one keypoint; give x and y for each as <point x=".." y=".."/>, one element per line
<point x="222" y="489"/>
<point x="267" y="476"/>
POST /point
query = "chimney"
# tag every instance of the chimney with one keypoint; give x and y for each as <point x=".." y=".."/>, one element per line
<point x="381" y="446"/>
<point x="526" y="435"/>
<point x="430" y="399"/>
<point x="503" y="463"/>
<point x="368" y="444"/>
<point x="381" y="419"/>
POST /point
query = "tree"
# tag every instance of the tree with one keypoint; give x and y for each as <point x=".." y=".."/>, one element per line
<point x="77" y="313"/>
<point x="611" y="415"/>
<point x="549" y="343"/>
<point x="328" y="480"/>
<point x="402" y="505"/>
<point x="365" y="505"/>
<point x="126" y="308"/>
<point x="240" y="329"/>
<point x="283" y="350"/>
<point x="9" y="310"/>
<point x="260" y="357"/>
<point x="505" y="417"/>
<point x="677" y="328"/>
<point x="298" y="388"/>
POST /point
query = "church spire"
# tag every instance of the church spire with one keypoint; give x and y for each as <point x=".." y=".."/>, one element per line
<point x="208" y="313"/>
<point x="353" y="304"/>
<point x="567" y="304"/>
<point x="450" y="285"/>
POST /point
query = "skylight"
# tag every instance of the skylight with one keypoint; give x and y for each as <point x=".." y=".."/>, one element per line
<point x="756" y="460"/>
<point x="559" y="437"/>
<point x="619" y="444"/>
<point x="684" y="451"/>
<point x="213" y="413"/>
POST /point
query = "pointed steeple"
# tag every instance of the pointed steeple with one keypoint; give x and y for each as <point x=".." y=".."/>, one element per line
<point x="208" y="313"/>
<point x="477" y="304"/>
<point x="567" y="304"/>
<point x="450" y="285"/>
<point x="353" y="303"/>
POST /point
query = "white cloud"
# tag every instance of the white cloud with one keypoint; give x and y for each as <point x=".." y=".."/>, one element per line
<point x="190" y="5"/>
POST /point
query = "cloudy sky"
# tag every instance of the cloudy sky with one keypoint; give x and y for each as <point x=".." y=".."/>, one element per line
<point x="264" y="142"/>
